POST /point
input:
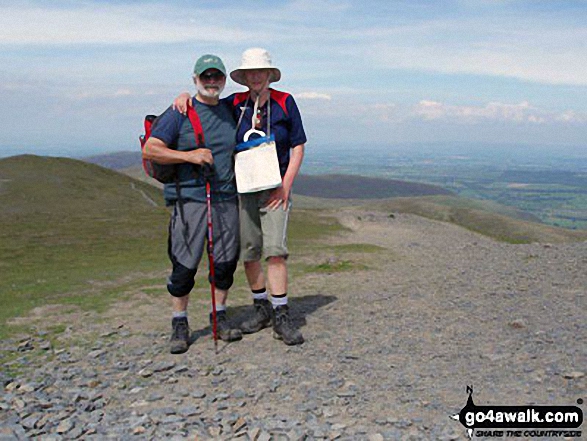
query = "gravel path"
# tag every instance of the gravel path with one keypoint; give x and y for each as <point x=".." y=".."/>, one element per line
<point x="389" y="351"/>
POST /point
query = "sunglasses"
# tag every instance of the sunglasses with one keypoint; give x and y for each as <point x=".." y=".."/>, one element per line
<point x="207" y="76"/>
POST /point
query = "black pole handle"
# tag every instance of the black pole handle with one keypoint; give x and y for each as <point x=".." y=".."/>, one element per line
<point x="208" y="171"/>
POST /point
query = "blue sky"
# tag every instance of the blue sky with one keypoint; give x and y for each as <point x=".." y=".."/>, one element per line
<point x="77" y="77"/>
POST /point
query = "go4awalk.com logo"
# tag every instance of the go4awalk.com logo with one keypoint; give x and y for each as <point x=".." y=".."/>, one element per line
<point x="520" y="421"/>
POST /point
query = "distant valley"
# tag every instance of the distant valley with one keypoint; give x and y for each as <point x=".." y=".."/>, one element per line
<point x="548" y="184"/>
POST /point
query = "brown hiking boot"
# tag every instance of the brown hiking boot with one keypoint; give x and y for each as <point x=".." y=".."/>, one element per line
<point x="225" y="331"/>
<point x="261" y="317"/>
<point x="283" y="328"/>
<point x="180" y="336"/>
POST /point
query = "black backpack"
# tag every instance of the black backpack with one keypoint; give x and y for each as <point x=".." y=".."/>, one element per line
<point x="167" y="173"/>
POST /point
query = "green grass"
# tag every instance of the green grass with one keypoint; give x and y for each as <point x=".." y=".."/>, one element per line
<point x="308" y="225"/>
<point x="73" y="233"/>
<point x="358" y="248"/>
<point x="472" y="216"/>
<point x="335" y="266"/>
<point x="67" y="228"/>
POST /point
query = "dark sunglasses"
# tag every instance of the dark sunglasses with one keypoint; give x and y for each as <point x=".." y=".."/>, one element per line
<point x="207" y="76"/>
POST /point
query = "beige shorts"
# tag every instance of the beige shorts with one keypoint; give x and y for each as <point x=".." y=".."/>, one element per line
<point x="263" y="231"/>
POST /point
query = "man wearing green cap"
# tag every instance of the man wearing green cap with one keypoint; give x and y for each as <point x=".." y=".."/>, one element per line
<point x="172" y="141"/>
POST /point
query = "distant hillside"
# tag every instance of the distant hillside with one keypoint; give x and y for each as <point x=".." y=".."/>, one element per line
<point x="66" y="223"/>
<point x="360" y="187"/>
<point x="337" y="186"/>
<point x="47" y="185"/>
<point x="485" y="217"/>
<point x="116" y="160"/>
<point x="137" y="172"/>
<point x="322" y="186"/>
<point x="473" y="217"/>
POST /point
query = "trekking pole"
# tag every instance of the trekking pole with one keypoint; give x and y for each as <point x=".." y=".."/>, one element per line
<point x="208" y="173"/>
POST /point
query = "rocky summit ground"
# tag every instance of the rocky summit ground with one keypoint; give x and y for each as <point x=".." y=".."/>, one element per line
<point x="394" y="335"/>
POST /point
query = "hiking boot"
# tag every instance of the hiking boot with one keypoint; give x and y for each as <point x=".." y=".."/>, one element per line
<point x="180" y="336"/>
<point x="283" y="328"/>
<point x="261" y="317"/>
<point x="224" y="329"/>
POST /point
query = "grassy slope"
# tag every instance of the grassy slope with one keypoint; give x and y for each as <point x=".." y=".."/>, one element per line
<point x="76" y="233"/>
<point x="489" y="223"/>
<point x="67" y="224"/>
<point x="137" y="172"/>
<point x="485" y="217"/>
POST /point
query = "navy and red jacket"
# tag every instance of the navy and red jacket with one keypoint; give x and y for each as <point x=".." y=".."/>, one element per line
<point x="286" y="122"/>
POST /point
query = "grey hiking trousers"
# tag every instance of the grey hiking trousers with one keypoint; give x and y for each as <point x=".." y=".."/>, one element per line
<point x="188" y="237"/>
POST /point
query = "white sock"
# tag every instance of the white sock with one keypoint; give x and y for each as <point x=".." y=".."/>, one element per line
<point x="181" y="314"/>
<point x="260" y="295"/>
<point x="278" y="301"/>
<point x="219" y="308"/>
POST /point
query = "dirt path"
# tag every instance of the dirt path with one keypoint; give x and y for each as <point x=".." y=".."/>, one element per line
<point x="390" y="349"/>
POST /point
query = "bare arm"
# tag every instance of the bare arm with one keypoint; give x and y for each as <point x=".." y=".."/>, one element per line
<point x="157" y="151"/>
<point x="180" y="103"/>
<point x="295" y="162"/>
<point x="281" y="194"/>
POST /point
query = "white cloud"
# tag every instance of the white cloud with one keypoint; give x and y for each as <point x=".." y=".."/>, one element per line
<point x="570" y="116"/>
<point x="318" y="6"/>
<point x="531" y="50"/>
<point x="111" y="24"/>
<point x="313" y="96"/>
<point x="433" y="110"/>
<point x="516" y="113"/>
<point x="430" y="110"/>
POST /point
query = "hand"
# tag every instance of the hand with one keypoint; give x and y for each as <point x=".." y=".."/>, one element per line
<point x="181" y="103"/>
<point x="278" y="196"/>
<point x="199" y="157"/>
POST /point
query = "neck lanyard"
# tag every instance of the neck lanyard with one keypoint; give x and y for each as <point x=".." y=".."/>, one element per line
<point x="255" y="109"/>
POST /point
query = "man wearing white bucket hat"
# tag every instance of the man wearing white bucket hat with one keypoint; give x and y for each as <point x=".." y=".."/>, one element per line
<point x="264" y="214"/>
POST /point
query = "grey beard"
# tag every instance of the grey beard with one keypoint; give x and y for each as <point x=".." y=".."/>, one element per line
<point x="210" y="93"/>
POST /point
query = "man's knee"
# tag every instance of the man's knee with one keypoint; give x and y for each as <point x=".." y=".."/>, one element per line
<point x="181" y="280"/>
<point x="224" y="274"/>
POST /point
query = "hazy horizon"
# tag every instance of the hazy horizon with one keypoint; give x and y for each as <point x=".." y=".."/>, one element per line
<point x="415" y="148"/>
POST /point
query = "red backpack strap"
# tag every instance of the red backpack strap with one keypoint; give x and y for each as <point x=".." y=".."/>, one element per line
<point x="149" y="121"/>
<point x="197" y="125"/>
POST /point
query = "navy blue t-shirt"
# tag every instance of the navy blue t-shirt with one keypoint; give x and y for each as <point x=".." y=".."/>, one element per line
<point x="286" y="122"/>
<point x="219" y="127"/>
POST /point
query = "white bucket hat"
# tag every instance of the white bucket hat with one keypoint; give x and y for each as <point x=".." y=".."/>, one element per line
<point x="255" y="58"/>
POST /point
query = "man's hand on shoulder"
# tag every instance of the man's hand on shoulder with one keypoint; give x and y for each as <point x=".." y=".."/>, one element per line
<point x="180" y="103"/>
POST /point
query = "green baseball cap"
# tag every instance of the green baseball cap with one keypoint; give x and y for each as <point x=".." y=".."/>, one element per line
<point x="209" y="61"/>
